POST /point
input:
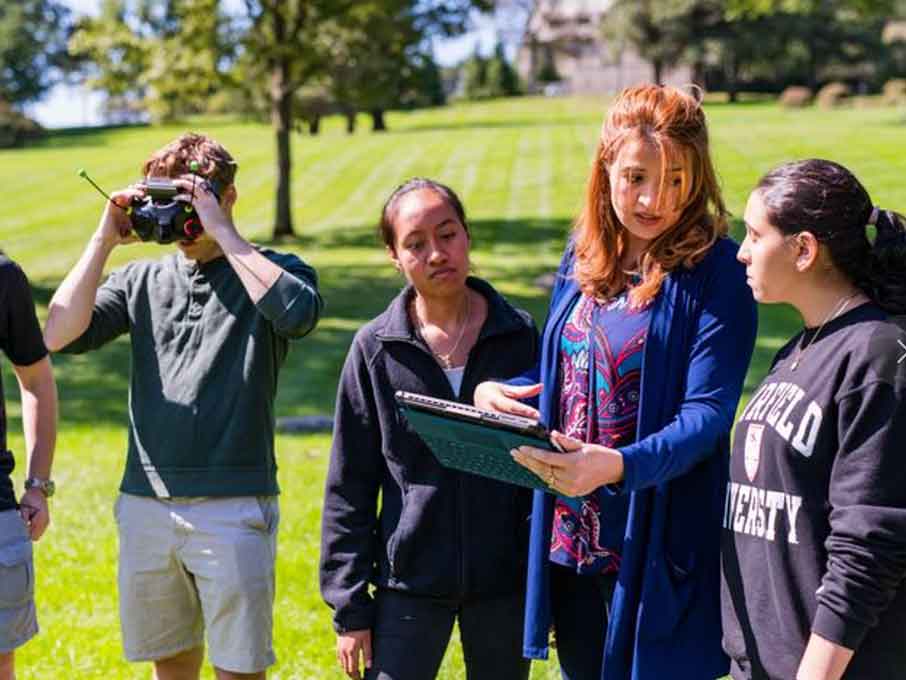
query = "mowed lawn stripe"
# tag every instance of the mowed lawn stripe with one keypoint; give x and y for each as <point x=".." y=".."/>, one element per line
<point x="366" y="187"/>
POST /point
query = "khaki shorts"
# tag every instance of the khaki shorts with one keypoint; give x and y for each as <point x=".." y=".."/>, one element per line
<point x="18" y="623"/>
<point x="190" y="565"/>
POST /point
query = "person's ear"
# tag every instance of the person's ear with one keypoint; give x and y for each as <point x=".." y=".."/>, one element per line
<point x="806" y="250"/>
<point x="230" y="195"/>
<point x="394" y="258"/>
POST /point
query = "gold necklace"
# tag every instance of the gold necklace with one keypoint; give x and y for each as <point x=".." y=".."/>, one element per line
<point x="837" y="311"/>
<point x="445" y="359"/>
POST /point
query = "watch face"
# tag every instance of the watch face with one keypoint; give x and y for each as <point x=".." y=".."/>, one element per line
<point x="46" y="486"/>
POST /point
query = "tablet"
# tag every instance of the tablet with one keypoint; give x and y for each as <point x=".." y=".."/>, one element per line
<point x="474" y="440"/>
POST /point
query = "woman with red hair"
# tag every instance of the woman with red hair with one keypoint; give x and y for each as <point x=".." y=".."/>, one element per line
<point x="648" y="337"/>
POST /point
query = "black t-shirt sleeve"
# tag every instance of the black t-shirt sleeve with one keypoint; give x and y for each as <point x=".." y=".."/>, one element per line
<point x="866" y="548"/>
<point x="20" y="333"/>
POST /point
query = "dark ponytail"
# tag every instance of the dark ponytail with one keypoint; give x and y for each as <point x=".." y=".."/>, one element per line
<point x="867" y="245"/>
<point x="888" y="278"/>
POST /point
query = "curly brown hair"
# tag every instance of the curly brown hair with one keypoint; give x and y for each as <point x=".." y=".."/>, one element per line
<point x="174" y="159"/>
<point x="672" y="120"/>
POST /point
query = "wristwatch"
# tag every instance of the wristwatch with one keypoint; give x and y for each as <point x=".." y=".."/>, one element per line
<point x="46" y="486"/>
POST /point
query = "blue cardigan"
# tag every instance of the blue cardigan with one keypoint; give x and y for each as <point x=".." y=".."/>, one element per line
<point x="665" y="615"/>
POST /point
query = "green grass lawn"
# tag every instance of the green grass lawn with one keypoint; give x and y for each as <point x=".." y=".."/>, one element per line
<point x="519" y="166"/>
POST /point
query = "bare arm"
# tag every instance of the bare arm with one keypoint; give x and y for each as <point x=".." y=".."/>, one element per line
<point x="256" y="272"/>
<point x="39" y="424"/>
<point x="69" y="312"/>
<point x="294" y="304"/>
<point x="823" y="660"/>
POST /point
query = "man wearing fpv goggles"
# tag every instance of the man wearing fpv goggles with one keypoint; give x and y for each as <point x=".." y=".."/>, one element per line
<point x="209" y="328"/>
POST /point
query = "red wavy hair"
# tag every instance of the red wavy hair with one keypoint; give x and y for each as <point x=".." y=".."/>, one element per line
<point x="674" y="122"/>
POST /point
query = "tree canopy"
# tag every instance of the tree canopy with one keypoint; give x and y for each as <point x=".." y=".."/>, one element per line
<point x="32" y="48"/>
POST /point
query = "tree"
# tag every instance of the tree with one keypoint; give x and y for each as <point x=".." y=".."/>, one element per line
<point x="115" y="55"/>
<point x="658" y="32"/>
<point x="33" y="57"/>
<point x="169" y="57"/>
<point x="780" y="41"/>
<point x="186" y="59"/>
<point x="864" y="8"/>
<point x="283" y="49"/>
<point x="288" y="45"/>
<point x="489" y="77"/>
<point x="371" y="61"/>
<point x="475" y="77"/>
<point x="166" y="58"/>
<point x="501" y="77"/>
<point x="811" y="40"/>
<point x="426" y="84"/>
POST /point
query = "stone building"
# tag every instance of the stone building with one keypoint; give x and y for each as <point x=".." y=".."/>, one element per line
<point x="564" y="37"/>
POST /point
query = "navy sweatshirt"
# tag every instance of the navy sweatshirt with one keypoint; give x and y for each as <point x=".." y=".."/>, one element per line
<point x="814" y="536"/>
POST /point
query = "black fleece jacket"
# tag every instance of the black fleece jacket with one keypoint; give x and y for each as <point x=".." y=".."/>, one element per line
<point x="438" y="532"/>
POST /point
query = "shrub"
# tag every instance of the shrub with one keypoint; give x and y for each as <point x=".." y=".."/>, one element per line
<point x="795" y="97"/>
<point x="833" y="95"/>
<point x="894" y="92"/>
<point x="16" y="129"/>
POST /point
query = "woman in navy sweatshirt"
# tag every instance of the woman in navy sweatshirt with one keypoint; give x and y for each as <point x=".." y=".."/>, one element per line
<point x="814" y="541"/>
<point x="647" y="341"/>
<point x="441" y="545"/>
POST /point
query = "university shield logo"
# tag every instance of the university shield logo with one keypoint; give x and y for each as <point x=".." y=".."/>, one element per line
<point x="752" y="456"/>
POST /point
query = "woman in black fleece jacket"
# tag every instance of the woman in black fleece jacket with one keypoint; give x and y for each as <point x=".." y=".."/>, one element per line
<point x="814" y="540"/>
<point x="440" y="545"/>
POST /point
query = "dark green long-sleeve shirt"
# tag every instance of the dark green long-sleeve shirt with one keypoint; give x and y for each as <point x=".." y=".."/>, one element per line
<point x="205" y="361"/>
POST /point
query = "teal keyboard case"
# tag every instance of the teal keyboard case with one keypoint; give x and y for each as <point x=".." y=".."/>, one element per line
<point x="480" y="449"/>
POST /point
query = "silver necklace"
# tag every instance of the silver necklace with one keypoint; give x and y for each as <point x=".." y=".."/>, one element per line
<point x="445" y="359"/>
<point x="837" y="311"/>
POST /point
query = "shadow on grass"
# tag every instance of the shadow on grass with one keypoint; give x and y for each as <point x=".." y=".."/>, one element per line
<point x="486" y="233"/>
<point x="93" y="388"/>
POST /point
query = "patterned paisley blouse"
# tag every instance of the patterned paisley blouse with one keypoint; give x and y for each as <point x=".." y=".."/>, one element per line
<point x="600" y="380"/>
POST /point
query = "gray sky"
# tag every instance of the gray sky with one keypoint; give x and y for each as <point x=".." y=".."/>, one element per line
<point x="73" y="106"/>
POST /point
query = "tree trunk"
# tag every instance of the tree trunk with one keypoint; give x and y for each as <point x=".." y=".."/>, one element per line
<point x="812" y="57"/>
<point x="732" y="72"/>
<point x="282" y="120"/>
<point x="813" y="71"/>
<point x="698" y="73"/>
<point x="350" y="122"/>
<point x="377" y="120"/>
<point x="314" y="125"/>
<point x="658" y="66"/>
